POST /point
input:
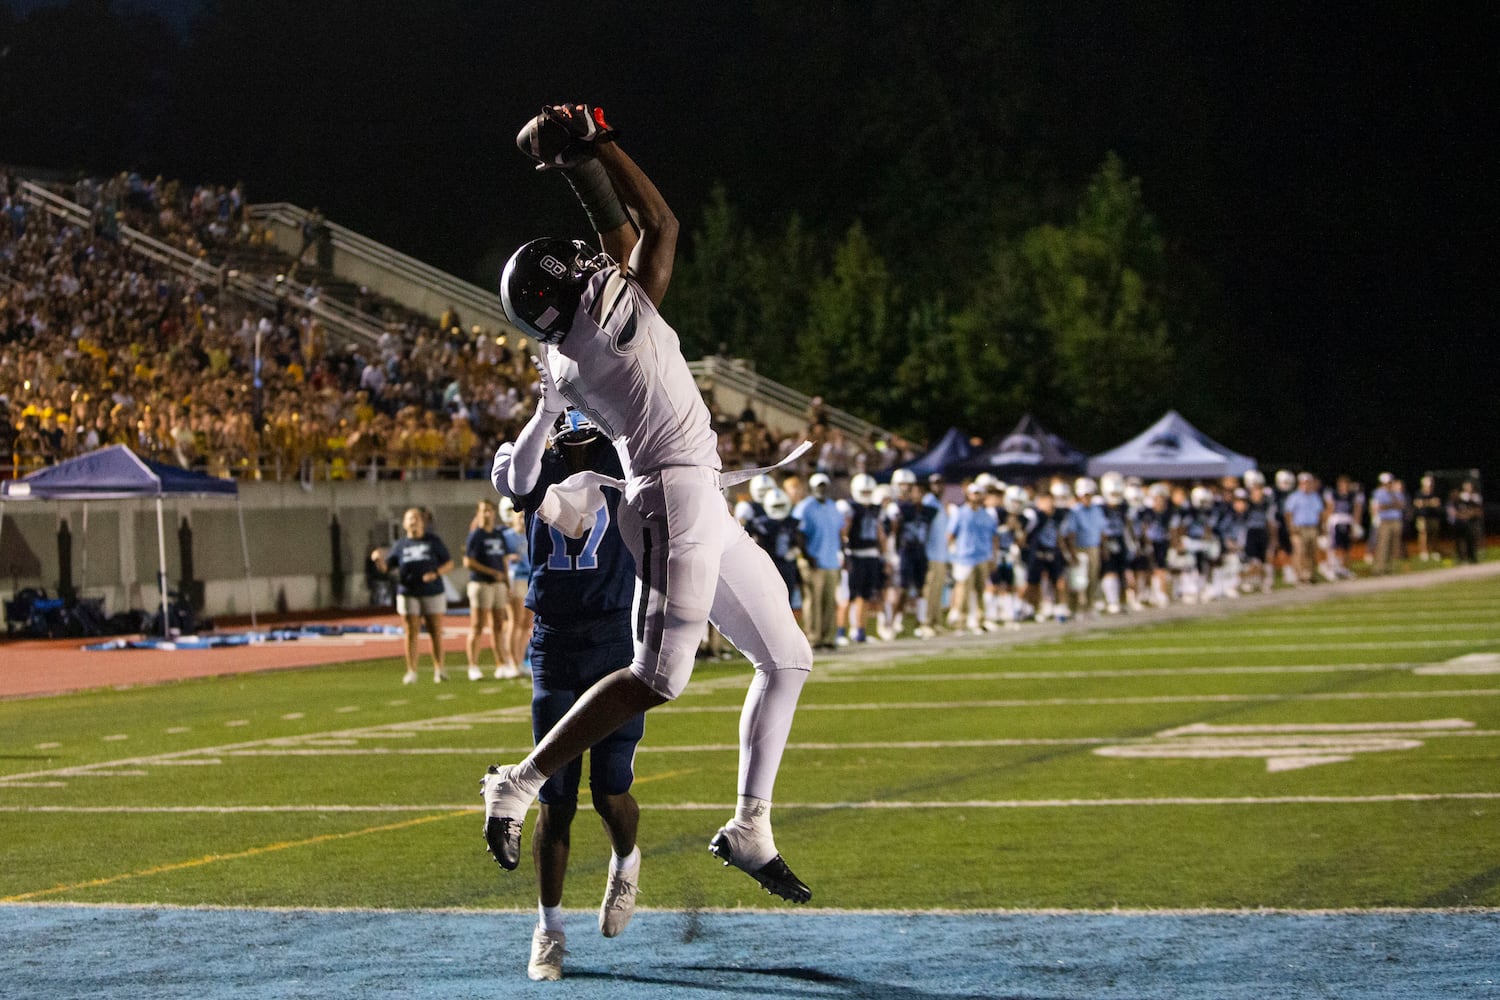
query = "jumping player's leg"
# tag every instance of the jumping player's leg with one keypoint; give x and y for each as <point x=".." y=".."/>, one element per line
<point x="750" y="607"/>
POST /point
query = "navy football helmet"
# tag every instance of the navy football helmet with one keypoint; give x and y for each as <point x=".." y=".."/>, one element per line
<point x="573" y="427"/>
<point x="542" y="282"/>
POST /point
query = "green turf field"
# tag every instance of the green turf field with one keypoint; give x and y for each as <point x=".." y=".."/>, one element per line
<point x="1343" y="753"/>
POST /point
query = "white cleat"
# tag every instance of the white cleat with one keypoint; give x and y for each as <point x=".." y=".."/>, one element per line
<point x="619" y="901"/>
<point x="410" y="678"/>
<point x="547" y="951"/>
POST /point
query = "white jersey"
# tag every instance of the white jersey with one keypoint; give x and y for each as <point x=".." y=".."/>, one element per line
<point x="621" y="364"/>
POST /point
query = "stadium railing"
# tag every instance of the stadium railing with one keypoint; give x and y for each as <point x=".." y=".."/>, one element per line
<point x="394" y="275"/>
<point x="342" y="321"/>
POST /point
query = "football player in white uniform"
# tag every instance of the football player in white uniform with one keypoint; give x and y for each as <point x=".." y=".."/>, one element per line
<point x="609" y="353"/>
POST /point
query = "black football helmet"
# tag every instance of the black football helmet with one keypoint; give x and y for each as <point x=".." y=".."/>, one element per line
<point x="542" y="282"/>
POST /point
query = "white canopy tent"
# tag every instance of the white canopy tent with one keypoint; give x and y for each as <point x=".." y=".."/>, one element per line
<point x="1171" y="448"/>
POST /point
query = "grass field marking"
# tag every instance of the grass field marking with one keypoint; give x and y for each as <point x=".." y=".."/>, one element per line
<point x="343" y="737"/>
<point x="507" y="714"/>
<point x="1424" y="726"/>
<point x="1164" y="699"/>
<point x="883" y="675"/>
<point x="458" y="809"/>
<point x="1404" y="628"/>
<point x="1284" y="747"/>
<point x="1371" y="730"/>
<point x="209" y="859"/>
<point x="1282" y="647"/>
<point x="1470" y="664"/>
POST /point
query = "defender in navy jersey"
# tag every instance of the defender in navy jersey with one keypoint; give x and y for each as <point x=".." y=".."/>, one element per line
<point x="580" y="594"/>
<point x="864" y="548"/>
<point x="912" y="527"/>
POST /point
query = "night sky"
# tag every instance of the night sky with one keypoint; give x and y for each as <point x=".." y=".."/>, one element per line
<point x="1328" y="165"/>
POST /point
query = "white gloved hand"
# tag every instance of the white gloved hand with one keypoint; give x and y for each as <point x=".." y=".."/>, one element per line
<point x="549" y="399"/>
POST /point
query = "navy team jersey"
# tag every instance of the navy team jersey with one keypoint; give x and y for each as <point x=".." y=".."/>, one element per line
<point x="864" y="529"/>
<point x="488" y="549"/>
<point x="576" y="581"/>
<point x="414" y="558"/>
<point x="916" y="522"/>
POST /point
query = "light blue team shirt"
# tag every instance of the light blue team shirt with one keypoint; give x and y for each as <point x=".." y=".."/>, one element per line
<point x="937" y="532"/>
<point x="973" y="532"/>
<point x="822" y="530"/>
<point x="1391" y="506"/>
<point x="1305" y="509"/>
<point x="1085" y="525"/>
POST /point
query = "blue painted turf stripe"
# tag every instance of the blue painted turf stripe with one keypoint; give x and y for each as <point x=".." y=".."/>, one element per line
<point x="130" y="953"/>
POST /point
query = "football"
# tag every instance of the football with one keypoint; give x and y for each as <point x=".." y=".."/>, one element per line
<point x="546" y="142"/>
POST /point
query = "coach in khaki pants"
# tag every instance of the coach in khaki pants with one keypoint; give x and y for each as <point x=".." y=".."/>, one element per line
<point x="1388" y="511"/>
<point x="1303" y="509"/>
<point x="821" y="526"/>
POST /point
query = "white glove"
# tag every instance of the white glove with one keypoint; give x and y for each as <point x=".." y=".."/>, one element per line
<point x="549" y="399"/>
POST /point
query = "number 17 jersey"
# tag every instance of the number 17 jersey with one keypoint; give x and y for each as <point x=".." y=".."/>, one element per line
<point x="577" y="581"/>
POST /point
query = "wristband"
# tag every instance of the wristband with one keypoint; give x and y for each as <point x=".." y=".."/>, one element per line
<point x="591" y="184"/>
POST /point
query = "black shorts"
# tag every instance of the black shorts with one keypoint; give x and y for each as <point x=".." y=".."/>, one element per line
<point x="1159" y="552"/>
<point x="1115" y="560"/>
<point x="1044" y="563"/>
<point x="563" y="666"/>
<point x="866" y="577"/>
<point x="913" y="570"/>
<point x="1257" y="544"/>
<point x="1343" y="537"/>
<point x="1004" y="574"/>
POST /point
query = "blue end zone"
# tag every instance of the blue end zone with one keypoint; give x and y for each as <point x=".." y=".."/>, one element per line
<point x="145" y="952"/>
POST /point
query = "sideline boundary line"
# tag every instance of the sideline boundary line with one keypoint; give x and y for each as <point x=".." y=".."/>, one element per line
<point x="453" y="809"/>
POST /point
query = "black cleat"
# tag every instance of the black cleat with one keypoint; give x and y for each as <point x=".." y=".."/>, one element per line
<point x="503" y="837"/>
<point x="774" y="876"/>
<point x="502" y="833"/>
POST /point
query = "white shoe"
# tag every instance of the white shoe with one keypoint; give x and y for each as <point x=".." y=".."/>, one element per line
<point x="885" y="632"/>
<point x="547" y="951"/>
<point x="438" y="676"/>
<point x="619" y="901"/>
<point x="841" y="641"/>
<point x="925" y="632"/>
<point x="410" y="678"/>
<point x="507" y="671"/>
<point x="475" y="674"/>
<point x="991" y="626"/>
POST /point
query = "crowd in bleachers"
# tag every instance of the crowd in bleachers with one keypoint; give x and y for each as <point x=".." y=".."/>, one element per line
<point x="915" y="558"/>
<point x="100" y="346"/>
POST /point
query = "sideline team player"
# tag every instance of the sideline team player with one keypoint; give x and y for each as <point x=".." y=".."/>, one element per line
<point x="610" y="354"/>
<point x="580" y="592"/>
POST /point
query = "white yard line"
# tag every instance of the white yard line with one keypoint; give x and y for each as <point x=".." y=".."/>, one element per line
<point x="1113" y="803"/>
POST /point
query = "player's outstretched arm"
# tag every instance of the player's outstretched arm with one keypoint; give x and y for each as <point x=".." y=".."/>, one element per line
<point x="650" y="260"/>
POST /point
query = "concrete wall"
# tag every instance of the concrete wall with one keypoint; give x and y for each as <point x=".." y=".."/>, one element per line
<point x="287" y="531"/>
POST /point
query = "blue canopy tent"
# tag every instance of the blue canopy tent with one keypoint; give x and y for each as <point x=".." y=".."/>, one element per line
<point x="1171" y="448"/>
<point x="117" y="473"/>
<point x="1029" y="452"/>
<point x="952" y="448"/>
